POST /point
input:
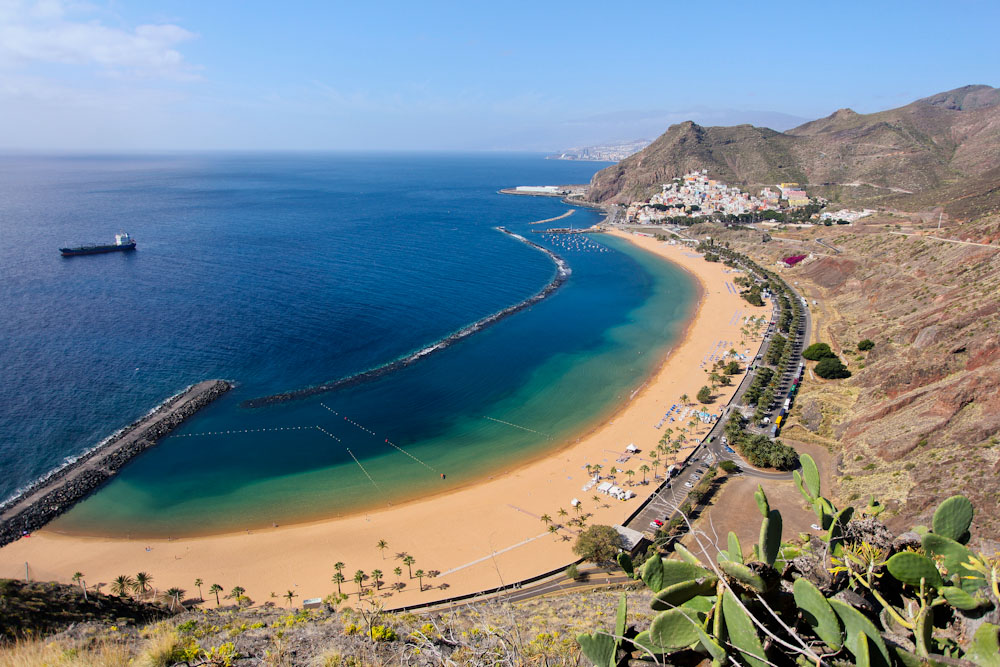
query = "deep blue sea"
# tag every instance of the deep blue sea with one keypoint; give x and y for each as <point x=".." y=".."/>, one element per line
<point x="282" y="271"/>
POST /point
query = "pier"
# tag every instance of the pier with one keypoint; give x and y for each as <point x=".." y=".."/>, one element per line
<point x="52" y="495"/>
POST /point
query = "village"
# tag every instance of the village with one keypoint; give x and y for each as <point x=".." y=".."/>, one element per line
<point x="695" y="195"/>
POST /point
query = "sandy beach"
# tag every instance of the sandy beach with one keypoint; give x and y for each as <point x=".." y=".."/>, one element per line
<point x="477" y="537"/>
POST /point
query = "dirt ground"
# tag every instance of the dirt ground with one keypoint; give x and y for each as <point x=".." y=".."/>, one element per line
<point x="734" y="508"/>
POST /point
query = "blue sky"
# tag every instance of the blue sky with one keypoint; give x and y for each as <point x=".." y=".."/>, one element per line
<point x="218" y="74"/>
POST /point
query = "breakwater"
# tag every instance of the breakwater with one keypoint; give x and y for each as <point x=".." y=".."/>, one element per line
<point x="58" y="491"/>
<point x="562" y="274"/>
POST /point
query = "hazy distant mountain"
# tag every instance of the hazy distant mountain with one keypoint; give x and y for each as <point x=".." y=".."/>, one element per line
<point x="605" y="153"/>
<point x="939" y="148"/>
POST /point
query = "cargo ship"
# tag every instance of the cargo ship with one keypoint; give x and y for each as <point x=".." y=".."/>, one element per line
<point x="122" y="242"/>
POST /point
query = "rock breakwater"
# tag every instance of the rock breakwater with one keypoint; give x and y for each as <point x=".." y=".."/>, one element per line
<point x="55" y="493"/>
<point x="562" y="274"/>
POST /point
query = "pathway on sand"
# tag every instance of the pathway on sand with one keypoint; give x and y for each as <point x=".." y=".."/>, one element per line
<point x="471" y="530"/>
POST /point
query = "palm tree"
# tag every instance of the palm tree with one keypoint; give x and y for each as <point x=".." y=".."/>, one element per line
<point x="578" y="508"/>
<point x="398" y="571"/>
<point x="597" y="469"/>
<point x="644" y="469"/>
<point x="338" y="566"/>
<point x="359" y="579"/>
<point x="382" y="546"/>
<point x="631" y="474"/>
<point x="562" y="512"/>
<point x="237" y="593"/>
<point x="596" y="498"/>
<point x="553" y="529"/>
<point x="198" y="582"/>
<point x="215" y="588"/>
<point x="122" y="585"/>
<point x="78" y="578"/>
<point x="338" y="579"/>
<point x="408" y="561"/>
<point x="713" y="379"/>
<point x="377" y="575"/>
<point x="656" y="463"/>
<point x="172" y="596"/>
<point x="590" y="470"/>
<point x="289" y="596"/>
<point x="420" y="577"/>
<point x="546" y="519"/>
<point x="142" y="583"/>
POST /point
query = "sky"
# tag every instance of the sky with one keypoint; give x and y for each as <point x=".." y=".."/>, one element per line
<point x="128" y="75"/>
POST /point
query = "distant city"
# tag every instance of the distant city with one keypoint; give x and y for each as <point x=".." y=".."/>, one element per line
<point x="605" y="153"/>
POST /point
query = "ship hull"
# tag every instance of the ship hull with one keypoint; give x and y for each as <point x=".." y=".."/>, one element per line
<point x="96" y="250"/>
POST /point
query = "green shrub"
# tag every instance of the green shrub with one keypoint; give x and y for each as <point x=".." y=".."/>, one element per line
<point x="832" y="368"/>
<point x="704" y="395"/>
<point x="729" y="466"/>
<point x="572" y="572"/>
<point x="818" y="351"/>
<point x="866" y="345"/>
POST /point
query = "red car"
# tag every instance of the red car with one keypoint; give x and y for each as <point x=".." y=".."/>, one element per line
<point x="655" y="523"/>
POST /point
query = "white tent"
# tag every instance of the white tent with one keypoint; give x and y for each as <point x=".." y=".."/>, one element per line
<point x="604" y="486"/>
<point x="632" y="448"/>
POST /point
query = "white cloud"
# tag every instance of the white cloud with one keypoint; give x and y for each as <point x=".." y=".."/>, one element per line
<point x="41" y="32"/>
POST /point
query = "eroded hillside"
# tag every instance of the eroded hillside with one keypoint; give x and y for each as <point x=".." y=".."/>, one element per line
<point x="919" y="420"/>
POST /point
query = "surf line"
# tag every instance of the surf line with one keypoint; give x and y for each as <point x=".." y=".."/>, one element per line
<point x="562" y="275"/>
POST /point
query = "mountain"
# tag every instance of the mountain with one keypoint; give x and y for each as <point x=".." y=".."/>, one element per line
<point x="940" y="148"/>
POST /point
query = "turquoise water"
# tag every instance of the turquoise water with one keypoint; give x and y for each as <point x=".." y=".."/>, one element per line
<point x="281" y="272"/>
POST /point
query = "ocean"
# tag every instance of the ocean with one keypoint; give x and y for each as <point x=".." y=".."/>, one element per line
<point x="284" y="271"/>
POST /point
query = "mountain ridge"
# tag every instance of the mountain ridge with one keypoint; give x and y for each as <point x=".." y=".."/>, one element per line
<point x="922" y="150"/>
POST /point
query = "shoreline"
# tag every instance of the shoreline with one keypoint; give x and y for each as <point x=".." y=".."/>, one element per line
<point x="482" y="535"/>
<point x="59" y="490"/>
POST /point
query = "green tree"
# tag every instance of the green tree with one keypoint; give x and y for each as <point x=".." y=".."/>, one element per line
<point x="684" y="398"/>
<point x="237" y="593"/>
<point x="832" y="368"/>
<point x="729" y="466"/>
<point x="338" y="578"/>
<point x="78" y="578"/>
<point x="644" y="469"/>
<point x="866" y="345"/>
<point x="172" y="597"/>
<point x="704" y="395"/>
<point x="818" y="351"/>
<point x="398" y="571"/>
<point x="198" y="582"/>
<point x="290" y="595"/>
<point x="215" y="588"/>
<point x="546" y="519"/>
<point x="408" y="561"/>
<point x="122" y="585"/>
<point x="598" y="544"/>
<point x="382" y="546"/>
<point x="143" y="582"/>
<point x="376" y="577"/>
<point x="359" y="579"/>
<point x="420" y="578"/>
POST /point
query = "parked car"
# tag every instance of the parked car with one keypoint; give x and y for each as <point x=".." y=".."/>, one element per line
<point x="655" y="523"/>
<point x="688" y="484"/>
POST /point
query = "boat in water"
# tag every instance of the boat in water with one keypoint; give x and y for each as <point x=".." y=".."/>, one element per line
<point x="122" y="242"/>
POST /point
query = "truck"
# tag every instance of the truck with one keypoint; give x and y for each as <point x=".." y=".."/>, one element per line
<point x="672" y="471"/>
<point x="777" y="423"/>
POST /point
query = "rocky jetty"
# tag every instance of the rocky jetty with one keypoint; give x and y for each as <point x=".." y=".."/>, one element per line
<point x="562" y="274"/>
<point x="54" y="494"/>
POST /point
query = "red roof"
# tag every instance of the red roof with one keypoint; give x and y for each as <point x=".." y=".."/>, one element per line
<point x="794" y="259"/>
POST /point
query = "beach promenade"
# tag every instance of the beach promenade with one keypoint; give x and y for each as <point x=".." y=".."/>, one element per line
<point x="478" y="536"/>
